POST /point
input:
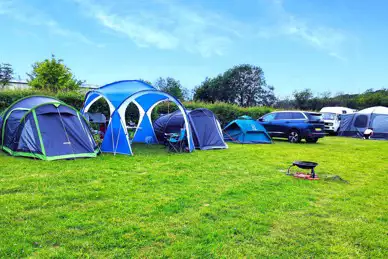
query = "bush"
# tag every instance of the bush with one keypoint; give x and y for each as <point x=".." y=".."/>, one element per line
<point x="224" y="112"/>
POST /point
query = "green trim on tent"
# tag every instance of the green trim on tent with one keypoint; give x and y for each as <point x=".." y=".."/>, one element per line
<point x="25" y="154"/>
<point x="94" y="154"/>
<point x="49" y="158"/>
<point x="39" y="134"/>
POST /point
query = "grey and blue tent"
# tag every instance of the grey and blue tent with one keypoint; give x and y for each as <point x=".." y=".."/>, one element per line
<point x="246" y="130"/>
<point x="45" y="128"/>
<point x="375" y="118"/>
<point x="207" y="133"/>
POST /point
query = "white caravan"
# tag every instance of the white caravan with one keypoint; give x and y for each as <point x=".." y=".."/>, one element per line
<point x="332" y="117"/>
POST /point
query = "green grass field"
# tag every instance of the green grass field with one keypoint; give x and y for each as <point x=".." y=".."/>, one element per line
<point x="226" y="203"/>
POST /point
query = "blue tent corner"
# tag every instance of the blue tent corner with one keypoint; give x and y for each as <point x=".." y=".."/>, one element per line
<point x="246" y="130"/>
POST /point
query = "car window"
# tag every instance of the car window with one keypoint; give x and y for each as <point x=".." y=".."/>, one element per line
<point x="314" y="116"/>
<point x="269" y="117"/>
<point x="298" y="116"/>
<point x="283" y="116"/>
<point x="361" y="121"/>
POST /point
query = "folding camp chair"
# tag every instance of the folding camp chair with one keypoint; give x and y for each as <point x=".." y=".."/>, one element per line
<point x="176" y="142"/>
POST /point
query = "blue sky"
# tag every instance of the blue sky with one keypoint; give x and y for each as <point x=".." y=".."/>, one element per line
<point x="337" y="46"/>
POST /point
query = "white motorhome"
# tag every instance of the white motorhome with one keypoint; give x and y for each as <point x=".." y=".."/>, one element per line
<point x="332" y="117"/>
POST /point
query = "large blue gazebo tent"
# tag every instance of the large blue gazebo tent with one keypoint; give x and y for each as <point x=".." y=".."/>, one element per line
<point x="118" y="96"/>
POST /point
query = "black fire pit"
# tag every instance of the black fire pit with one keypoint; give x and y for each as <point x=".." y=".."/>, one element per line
<point x="304" y="165"/>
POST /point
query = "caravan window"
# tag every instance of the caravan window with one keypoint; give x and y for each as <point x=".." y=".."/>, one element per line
<point x="361" y="121"/>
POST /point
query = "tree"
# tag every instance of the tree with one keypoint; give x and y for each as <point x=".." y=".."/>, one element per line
<point x="6" y="74"/>
<point x="244" y="85"/>
<point x="302" y="98"/>
<point x="210" y="90"/>
<point x="52" y="75"/>
<point x="172" y="86"/>
<point x="286" y="103"/>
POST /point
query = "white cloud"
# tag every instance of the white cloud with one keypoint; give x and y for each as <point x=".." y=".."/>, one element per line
<point x="324" y="38"/>
<point x="142" y="34"/>
<point x="32" y="16"/>
<point x="166" y="25"/>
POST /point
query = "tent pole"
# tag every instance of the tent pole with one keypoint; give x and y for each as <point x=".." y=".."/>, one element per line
<point x="113" y="142"/>
<point x="118" y="137"/>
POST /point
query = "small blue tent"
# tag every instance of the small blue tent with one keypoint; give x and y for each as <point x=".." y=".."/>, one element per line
<point x="246" y="130"/>
<point x="45" y="128"/>
<point x="207" y="133"/>
<point x="118" y="96"/>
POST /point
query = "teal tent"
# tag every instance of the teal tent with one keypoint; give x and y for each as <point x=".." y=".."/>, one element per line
<point x="246" y="130"/>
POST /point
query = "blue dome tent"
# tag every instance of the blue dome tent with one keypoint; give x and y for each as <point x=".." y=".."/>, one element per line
<point x="118" y="96"/>
<point x="45" y="128"/>
<point x="246" y="130"/>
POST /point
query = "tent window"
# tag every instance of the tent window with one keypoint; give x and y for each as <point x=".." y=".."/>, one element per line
<point x="380" y="123"/>
<point x="361" y="121"/>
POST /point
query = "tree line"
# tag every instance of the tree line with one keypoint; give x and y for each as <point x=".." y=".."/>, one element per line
<point x="244" y="85"/>
<point x="306" y="100"/>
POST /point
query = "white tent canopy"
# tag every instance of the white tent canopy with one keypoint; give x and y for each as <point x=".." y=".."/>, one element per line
<point x="376" y="109"/>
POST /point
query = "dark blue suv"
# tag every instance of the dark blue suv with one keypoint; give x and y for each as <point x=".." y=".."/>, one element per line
<point x="294" y="125"/>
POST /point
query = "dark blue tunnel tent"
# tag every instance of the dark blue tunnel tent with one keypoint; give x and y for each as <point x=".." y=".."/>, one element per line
<point x="45" y="128"/>
<point x="207" y="132"/>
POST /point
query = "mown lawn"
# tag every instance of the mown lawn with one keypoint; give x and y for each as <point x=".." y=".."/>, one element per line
<point x="227" y="203"/>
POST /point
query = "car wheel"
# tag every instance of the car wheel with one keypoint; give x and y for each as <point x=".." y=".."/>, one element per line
<point x="294" y="136"/>
<point x="311" y="140"/>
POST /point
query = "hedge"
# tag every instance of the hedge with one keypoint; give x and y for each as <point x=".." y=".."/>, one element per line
<point x="224" y="112"/>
